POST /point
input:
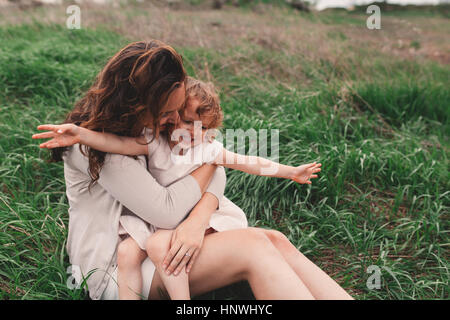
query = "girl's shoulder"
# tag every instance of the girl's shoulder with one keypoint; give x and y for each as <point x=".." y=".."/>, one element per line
<point x="214" y="144"/>
<point x="210" y="150"/>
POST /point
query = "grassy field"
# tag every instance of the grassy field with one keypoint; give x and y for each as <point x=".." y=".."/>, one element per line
<point x="371" y="105"/>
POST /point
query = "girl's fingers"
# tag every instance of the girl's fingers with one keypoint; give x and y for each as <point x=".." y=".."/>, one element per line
<point x="45" y="145"/>
<point x="314" y="176"/>
<point x="53" y="145"/>
<point x="314" y="164"/>
<point x="50" y="127"/>
<point x="44" y="135"/>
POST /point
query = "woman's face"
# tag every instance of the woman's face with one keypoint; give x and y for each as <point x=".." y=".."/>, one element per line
<point x="169" y="114"/>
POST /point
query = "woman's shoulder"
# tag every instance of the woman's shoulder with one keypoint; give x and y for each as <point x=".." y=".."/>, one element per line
<point x="72" y="153"/>
<point x="77" y="158"/>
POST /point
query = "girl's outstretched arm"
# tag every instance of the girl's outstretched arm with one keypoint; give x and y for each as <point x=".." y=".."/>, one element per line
<point x="68" y="134"/>
<point x="264" y="167"/>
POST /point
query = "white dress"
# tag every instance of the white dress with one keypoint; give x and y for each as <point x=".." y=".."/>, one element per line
<point x="167" y="167"/>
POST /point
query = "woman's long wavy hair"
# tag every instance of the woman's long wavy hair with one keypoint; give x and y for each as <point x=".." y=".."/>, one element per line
<point x="132" y="88"/>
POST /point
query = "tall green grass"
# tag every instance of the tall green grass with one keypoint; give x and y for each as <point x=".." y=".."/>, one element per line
<point x="382" y="197"/>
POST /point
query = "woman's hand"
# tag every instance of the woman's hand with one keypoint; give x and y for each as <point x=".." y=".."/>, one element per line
<point x="187" y="239"/>
<point x="303" y="173"/>
<point x="62" y="135"/>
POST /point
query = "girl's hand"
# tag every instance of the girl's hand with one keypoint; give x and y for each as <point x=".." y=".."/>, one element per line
<point x="187" y="238"/>
<point x="62" y="135"/>
<point x="303" y="173"/>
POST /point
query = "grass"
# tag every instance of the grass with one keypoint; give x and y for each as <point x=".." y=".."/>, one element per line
<point x="376" y="120"/>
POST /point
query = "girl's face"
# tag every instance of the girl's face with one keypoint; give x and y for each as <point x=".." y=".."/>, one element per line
<point x="187" y="121"/>
<point x="170" y="113"/>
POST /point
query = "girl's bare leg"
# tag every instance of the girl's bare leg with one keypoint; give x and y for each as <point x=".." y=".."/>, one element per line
<point x="321" y="285"/>
<point x="158" y="245"/>
<point x="243" y="254"/>
<point x="129" y="277"/>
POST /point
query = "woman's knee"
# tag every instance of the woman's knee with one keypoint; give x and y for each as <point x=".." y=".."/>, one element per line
<point x="256" y="239"/>
<point x="254" y="251"/>
<point x="277" y="237"/>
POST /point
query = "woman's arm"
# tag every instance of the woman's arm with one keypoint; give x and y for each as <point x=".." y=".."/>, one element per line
<point x="264" y="167"/>
<point x="68" y="134"/>
<point x="128" y="181"/>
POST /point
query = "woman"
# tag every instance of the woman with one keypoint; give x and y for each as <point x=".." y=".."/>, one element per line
<point x="143" y="86"/>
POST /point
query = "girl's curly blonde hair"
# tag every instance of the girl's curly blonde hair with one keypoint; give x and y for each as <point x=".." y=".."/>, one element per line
<point x="208" y="98"/>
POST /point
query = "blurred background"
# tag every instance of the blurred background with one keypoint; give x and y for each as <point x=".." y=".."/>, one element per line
<point x="372" y="105"/>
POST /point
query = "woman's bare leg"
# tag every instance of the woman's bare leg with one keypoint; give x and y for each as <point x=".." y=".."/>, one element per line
<point x="244" y="254"/>
<point x="129" y="276"/>
<point x="158" y="244"/>
<point x="321" y="285"/>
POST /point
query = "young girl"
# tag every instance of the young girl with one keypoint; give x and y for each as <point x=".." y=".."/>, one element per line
<point x="170" y="159"/>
